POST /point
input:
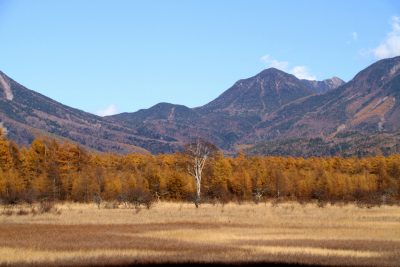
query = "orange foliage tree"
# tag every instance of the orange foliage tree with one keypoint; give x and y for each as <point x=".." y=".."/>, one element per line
<point x="64" y="171"/>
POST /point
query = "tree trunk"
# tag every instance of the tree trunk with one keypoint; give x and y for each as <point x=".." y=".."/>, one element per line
<point x="198" y="191"/>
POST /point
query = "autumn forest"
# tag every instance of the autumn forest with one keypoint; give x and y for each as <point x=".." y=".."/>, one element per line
<point x="49" y="170"/>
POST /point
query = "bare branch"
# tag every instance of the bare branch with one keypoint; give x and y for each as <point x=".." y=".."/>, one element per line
<point x="198" y="153"/>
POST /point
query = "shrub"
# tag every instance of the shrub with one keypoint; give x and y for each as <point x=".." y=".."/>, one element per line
<point x="22" y="212"/>
<point x="139" y="197"/>
<point x="111" y="205"/>
<point x="45" y="206"/>
<point x="7" y="212"/>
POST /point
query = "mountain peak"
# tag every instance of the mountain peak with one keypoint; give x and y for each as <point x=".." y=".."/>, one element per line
<point x="335" y="80"/>
<point x="272" y="72"/>
<point x="260" y="94"/>
<point x="380" y="71"/>
<point x="166" y="105"/>
<point x="323" y="86"/>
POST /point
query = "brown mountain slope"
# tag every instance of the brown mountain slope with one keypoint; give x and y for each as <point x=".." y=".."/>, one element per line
<point x="25" y="114"/>
<point x="274" y="107"/>
<point x="258" y="95"/>
<point x="163" y="121"/>
<point x="367" y="105"/>
<point x="227" y="118"/>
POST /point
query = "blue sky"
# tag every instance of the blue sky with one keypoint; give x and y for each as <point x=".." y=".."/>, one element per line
<point x="119" y="56"/>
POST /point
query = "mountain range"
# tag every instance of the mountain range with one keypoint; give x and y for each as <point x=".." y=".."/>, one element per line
<point x="271" y="113"/>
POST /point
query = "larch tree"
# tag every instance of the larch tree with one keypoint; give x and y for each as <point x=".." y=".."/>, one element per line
<point x="6" y="162"/>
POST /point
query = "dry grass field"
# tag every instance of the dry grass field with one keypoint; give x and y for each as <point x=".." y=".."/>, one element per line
<point x="82" y="234"/>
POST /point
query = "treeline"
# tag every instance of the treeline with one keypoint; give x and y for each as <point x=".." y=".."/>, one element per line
<point x="48" y="170"/>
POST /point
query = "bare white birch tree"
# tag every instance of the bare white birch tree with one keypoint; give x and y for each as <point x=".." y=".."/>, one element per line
<point x="198" y="152"/>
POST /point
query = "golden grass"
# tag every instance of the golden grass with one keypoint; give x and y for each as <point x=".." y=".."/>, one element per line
<point x="178" y="232"/>
<point x="19" y="255"/>
<point x="313" y="251"/>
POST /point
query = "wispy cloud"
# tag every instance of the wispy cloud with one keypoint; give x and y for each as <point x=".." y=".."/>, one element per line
<point x="353" y="38"/>
<point x="108" y="111"/>
<point x="273" y="63"/>
<point x="300" y="71"/>
<point x="390" y="46"/>
<point x="354" y="35"/>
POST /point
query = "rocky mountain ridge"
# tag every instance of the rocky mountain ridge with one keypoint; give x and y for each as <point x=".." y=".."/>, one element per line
<point x="261" y="114"/>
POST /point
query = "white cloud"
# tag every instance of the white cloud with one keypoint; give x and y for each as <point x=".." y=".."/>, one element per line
<point x="354" y="35"/>
<point x="273" y="63"/>
<point x="108" y="111"/>
<point x="390" y="46"/>
<point x="300" y="72"/>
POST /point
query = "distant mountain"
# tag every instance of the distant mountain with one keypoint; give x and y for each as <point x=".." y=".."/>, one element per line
<point x="365" y="106"/>
<point x="25" y="114"/>
<point x="323" y="86"/>
<point x="164" y="121"/>
<point x="271" y="113"/>
<point x="258" y="95"/>
<point x="226" y="119"/>
<point x="161" y="111"/>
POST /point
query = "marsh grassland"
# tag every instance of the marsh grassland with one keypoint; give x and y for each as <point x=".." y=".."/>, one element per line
<point x="82" y="234"/>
